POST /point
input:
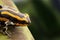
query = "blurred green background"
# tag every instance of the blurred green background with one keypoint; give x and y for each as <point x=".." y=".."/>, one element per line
<point x="45" y="17"/>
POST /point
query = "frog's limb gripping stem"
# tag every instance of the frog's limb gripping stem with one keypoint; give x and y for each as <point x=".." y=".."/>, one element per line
<point x="6" y="27"/>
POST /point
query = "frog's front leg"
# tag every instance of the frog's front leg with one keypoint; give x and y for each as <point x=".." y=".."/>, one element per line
<point x="6" y="27"/>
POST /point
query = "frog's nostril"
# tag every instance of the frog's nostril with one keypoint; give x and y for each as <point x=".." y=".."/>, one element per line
<point x="0" y="6"/>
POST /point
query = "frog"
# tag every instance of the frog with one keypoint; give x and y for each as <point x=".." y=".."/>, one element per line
<point x="10" y="17"/>
<point x="19" y="19"/>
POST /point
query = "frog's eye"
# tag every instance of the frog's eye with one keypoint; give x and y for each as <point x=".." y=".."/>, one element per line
<point x="0" y="7"/>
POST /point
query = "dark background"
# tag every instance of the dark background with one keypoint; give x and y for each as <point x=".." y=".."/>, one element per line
<point x="45" y="17"/>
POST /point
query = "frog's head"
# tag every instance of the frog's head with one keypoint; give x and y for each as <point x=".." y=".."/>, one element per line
<point x="16" y="17"/>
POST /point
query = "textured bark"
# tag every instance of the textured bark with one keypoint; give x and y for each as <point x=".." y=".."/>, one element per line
<point x="19" y="33"/>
